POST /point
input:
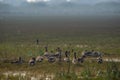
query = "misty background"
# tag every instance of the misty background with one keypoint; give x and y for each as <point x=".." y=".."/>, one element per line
<point x="47" y="19"/>
<point x="59" y="7"/>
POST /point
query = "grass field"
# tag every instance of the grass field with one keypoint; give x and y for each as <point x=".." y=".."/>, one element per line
<point x="18" y="38"/>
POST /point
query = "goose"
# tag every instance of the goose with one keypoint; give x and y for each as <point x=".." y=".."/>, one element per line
<point x="97" y="54"/>
<point x="66" y="59"/>
<point x="58" y="52"/>
<point x="46" y="54"/>
<point x="74" y="61"/>
<point x="81" y="59"/>
<point x="51" y="59"/>
<point x="91" y="53"/>
<point x="39" y="58"/>
<point x="18" y="61"/>
<point x="49" y="56"/>
<point x="87" y="53"/>
<point x="32" y="61"/>
<point x="99" y="60"/>
<point x="60" y="56"/>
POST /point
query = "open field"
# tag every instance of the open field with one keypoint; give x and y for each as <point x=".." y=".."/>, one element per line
<point x="18" y="38"/>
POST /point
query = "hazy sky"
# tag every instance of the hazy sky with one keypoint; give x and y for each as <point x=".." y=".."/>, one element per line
<point x="90" y="2"/>
<point x="75" y="7"/>
<point x="57" y="1"/>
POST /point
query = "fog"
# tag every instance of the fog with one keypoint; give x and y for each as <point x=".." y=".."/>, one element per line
<point x="59" y="7"/>
<point x="58" y="17"/>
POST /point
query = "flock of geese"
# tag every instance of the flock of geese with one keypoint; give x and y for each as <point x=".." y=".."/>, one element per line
<point x="62" y="57"/>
